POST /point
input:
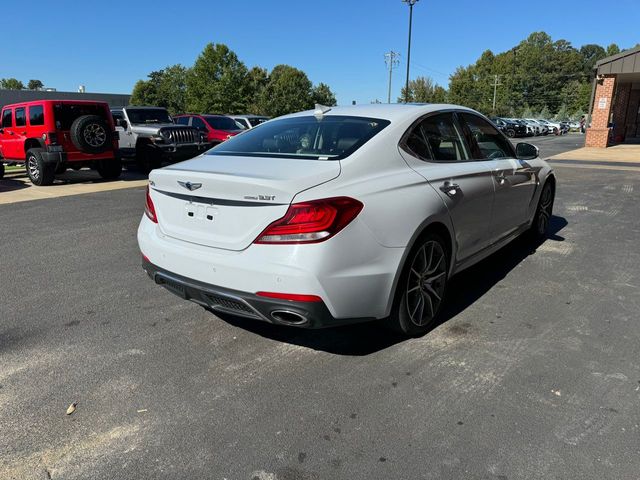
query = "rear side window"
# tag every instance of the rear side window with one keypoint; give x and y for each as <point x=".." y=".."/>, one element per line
<point x="36" y="115"/>
<point x="21" y="117"/>
<point x="331" y="137"/>
<point x="485" y="140"/>
<point x="65" y="114"/>
<point x="7" y="120"/>
<point x="437" y="138"/>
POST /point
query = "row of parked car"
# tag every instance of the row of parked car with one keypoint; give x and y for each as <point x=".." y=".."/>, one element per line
<point x="50" y="136"/>
<point x="528" y="127"/>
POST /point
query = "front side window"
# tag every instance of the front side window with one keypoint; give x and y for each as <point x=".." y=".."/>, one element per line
<point x="7" y="120"/>
<point x="437" y="138"/>
<point x="21" y="118"/>
<point x="36" y="115"/>
<point x="182" y="120"/>
<point x="222" y="123"/>
<point x="331" y="137"/>
<point x="199" y="124"/>
<point x="485" y="140"/>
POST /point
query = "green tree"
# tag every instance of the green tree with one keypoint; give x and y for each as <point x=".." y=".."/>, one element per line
<point x="164" y="88"/>
<point x="217" y="82"/>
<point x="11" y="84"/>
<point x="591" y="53"/>
<point x="323" y="95"/>
<point x="288" y="90"/>
<point x="613" y="49"/>
<point x="423" y="90"/>
<point x="255" y="81"/>
<point x="35" y="85"/>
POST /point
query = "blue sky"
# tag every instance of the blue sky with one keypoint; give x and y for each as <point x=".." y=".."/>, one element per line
<point x="108" y="46"/>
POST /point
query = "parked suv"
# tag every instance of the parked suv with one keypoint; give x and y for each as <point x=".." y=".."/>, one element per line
<point x="218" y="128"/>
<point x="49" y="136"/>
<point x="149" y="135"/>
<point x="249" y="121"/>
<point x="510" y="128"/>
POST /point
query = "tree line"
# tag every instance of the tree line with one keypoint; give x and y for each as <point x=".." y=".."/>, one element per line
<point x="15" y="84"/>
<point x="539" y="78"/>
<point x="219" y="82"/>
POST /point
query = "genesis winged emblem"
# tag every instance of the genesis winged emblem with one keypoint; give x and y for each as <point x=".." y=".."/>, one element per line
<point x="190" y="186"/>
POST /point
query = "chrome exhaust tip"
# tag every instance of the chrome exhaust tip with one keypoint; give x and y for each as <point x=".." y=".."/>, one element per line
<point x="289" y="318"/>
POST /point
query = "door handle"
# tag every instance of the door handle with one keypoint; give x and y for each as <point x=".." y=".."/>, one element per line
<point x="450" y="189"/>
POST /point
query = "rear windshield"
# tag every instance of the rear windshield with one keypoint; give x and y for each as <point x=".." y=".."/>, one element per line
<point x="332" y="137"/>
<point x="66" y="113"/>
<point x="222" y="123"/>
<point x="148" y="115"/>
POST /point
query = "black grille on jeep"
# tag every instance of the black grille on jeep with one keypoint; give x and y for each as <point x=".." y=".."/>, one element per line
<point x="182" y="135"/>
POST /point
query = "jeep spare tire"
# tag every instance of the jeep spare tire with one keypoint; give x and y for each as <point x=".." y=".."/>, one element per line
<point x="91" y="134"/>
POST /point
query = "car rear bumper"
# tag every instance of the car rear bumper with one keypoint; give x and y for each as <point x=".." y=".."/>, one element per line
<point x="245" y="304"/>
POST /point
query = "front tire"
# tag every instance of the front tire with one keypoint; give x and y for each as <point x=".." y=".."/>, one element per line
<point x="109" y="169"/>
<point x="542" y="217"/>
<point x="420" y="292"/>
<point x="511" y="133"/>
<point x="39" y="172"/>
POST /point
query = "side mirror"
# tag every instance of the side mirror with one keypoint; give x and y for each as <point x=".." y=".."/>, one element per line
<point x="121" y="123"/>
<point x="526" y="151"/>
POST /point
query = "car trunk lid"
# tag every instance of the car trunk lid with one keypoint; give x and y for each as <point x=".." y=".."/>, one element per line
<point x="227" y="201"/>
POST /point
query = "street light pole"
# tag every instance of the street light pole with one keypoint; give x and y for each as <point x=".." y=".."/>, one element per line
<point x="411" y="3"/>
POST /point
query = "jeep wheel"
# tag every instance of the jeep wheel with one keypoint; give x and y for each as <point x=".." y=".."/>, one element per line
<point x="147" y="158"/>
<point x="61" y="168"/>
<point x="91" y="134"/>
<point x="109" y="169"/>
<point x="39" y="173"/>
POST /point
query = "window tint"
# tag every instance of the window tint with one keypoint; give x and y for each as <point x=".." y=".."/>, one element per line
<point x="485" y="140"/>
<point x="222" y="123"/>
<point x="255" y="121"/>
<point x="148" y="115"/>
<point x="437" y="138"/>
<point x="66" y="113"/>
<point x="182" y="121"/>
<point x="36" y="115"/>
<point x="7" y="121"/>
<point x="21" y="117"/>
<point x="198" y="123"/>
<point x="331" y="137"/>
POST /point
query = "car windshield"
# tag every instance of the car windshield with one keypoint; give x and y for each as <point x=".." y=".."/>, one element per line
<point x="330" y="137"/>
<point x="222" y="123"/>
<point x="148" y="115"/>
<point x="66" y="113"/>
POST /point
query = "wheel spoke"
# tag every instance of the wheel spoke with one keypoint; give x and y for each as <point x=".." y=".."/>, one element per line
<point x="420" y="301"/>
<point x="434" y="278"/>
<point x="436" y="267"/>
<point x="430" y="304"/>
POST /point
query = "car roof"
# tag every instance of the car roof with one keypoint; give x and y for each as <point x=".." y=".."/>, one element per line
<point x="386" y="111"/>
<point x="40" y="102"/>
<point x="248" y="116"/>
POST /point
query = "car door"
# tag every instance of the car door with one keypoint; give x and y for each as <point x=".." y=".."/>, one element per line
<point x="436" y="149"/>
<point x="8" y="136"/>
<point x="514" y="180"/>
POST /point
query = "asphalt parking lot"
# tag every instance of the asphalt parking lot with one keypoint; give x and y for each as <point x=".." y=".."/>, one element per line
<point x="533" y="373"/>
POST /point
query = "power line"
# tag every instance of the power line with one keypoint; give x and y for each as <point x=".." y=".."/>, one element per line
<point x="391" y="59"/>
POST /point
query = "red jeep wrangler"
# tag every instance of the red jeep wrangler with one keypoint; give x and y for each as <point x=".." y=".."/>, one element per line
<point x="50" y="136"/>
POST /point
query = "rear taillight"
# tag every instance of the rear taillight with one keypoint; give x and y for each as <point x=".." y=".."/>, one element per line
<point x="50" y="137"/>
<point x="311" y="222"/>
<point x="293" y="297"/>
<point x="149" y="208"/>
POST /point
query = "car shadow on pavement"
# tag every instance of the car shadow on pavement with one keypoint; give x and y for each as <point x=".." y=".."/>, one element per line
<point x="366" y="338"/>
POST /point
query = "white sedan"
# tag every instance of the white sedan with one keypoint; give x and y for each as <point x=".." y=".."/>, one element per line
<point x="342" y="214"/>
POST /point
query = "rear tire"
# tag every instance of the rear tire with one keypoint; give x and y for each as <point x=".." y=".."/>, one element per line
<point x="511" y="133"/>
<point x="109" y="169"/>
<point x="422" y="286"/>
<point x="61" y="168"/>
<point x="39" y="173"/>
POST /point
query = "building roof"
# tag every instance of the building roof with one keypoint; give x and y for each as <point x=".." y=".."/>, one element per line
<point x="624" y="62"/>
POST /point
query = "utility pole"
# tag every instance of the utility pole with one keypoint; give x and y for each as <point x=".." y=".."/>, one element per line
<point x="495" y="91"/>
<point x="392" y="60"/>
<point x="411" y="3"/>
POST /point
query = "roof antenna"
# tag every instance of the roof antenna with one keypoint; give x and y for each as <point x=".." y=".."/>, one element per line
<point x="320" y="110"/>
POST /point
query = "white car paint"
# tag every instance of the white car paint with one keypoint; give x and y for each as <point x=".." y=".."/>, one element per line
<point x="356" y="271"/>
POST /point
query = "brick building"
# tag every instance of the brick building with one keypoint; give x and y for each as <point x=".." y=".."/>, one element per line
<point x="615" y="101"/>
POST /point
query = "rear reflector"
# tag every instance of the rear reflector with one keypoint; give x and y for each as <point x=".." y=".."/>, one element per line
<point x="311" y="222"/>
<point x="290" y="296"/>
<point x="149" y="208"/>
